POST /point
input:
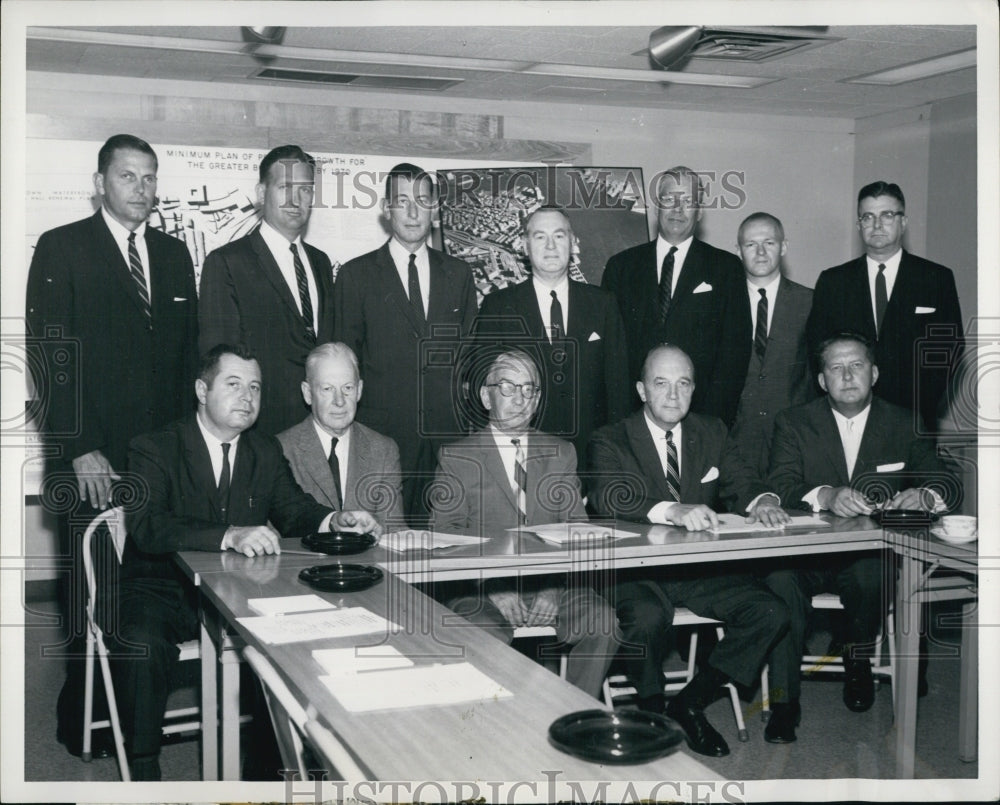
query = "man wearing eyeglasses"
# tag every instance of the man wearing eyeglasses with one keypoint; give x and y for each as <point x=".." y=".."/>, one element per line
<point x="905" y="305"/>
<point x="509" y="475"/>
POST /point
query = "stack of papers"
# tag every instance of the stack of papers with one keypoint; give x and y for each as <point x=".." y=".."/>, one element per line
<point x="284" y="604"/>
<point x="414" y="687"/>
<point x="737" y="524"/>
<point x="361" y="659"/>
<point x="427" y="540"/>
<point x="325" y="624"/>
<point x="561" y="533"/>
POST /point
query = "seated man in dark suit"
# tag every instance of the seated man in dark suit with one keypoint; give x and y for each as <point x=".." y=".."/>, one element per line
<point x="210" y="485"/>
<point x="340" y="462"/>
<point x="660" y="465"/>
<point x="510" y="475"/>
<point x="847" y="453"/>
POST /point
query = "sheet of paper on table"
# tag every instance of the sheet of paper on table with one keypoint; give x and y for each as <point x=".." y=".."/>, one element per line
<point x="285" y="604"/>
<point x="414" y="687"/>
<point x="360" y="659"/>
<point x="428" y="540"/>
<point x="330" y="623"/>
<point x="736" y="524"/>
<point x="561" y="533"/>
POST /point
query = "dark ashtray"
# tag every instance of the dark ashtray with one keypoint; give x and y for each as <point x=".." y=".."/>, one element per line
<point x="341" y="578"/>
<point x="339" y="543"/>
<point x="625" y="736"/>
<point x="903" y="518"/>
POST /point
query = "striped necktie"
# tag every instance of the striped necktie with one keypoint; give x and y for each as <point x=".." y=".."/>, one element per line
<point x="666" y="284"/>
<point x="520" y="482"/>
<point x="135" y="268"/>
<point x="881" y="299"/>
<point x="335" y="471"/>
<point x="224" y="479"/>
<point x="304" y="300"/>
<point x="760" y="331"/>
<point x="673" y="475"/>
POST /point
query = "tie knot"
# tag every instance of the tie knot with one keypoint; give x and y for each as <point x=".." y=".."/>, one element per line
<point x="881" y="267"/>
<point x="294" y="249"/>
<point x="131" y="237"/>
<point x="762" y="292"/>
<point x="413" y="261"/>
<point x="671" y="252"/>
<point x="333" y="444"/>
<point x="225" y="449"/>
<point x="553" y="295"/>
<point x="515" y="442"/>
<point x="670" y="437"/>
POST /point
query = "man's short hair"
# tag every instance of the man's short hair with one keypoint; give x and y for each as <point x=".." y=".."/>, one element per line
<point x="764" y="217"/>
<point x="880" y="188"/>
<point x="547" y="208"/>
<point x="119" y="142"/>
<point x="678" y="173"/>
<point x="283" y="153"/>
<point x="209" y="366"/>
<point x="844" y="335"/>
<point x="509" y="356"/>
<point x="331" y="349"/>
<point x="407" y="170"/>
<point x="657" y="348"/>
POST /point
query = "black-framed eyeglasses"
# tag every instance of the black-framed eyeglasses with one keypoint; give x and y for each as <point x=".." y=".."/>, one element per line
<point x="885" y="217"/>
<point x="507" y="389"/>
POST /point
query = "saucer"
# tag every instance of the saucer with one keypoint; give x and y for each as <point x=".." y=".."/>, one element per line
<point x="625" y="736"/>
<point x="939" y="532"/>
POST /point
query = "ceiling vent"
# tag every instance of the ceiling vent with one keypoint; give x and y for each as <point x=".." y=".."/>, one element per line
<point x="394" y="82"/>
<point x="750" y="46"/>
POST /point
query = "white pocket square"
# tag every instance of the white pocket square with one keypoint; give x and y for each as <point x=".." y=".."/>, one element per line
<point x="703" y="288"/>
<point x="924" y="309"/>
<point x="594" y="337"/>
<point x="711" y="475"/>
<point x="890" y="467"/>
<point x="180" y="298"/>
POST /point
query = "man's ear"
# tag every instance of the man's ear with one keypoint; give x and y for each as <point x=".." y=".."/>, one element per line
<point x="822" y="382"/>
<point x="260" y="189"/>
<point x="307" y="394"/>
<point x="484" y="397"/>
<point x="200" y="390"/>
<point x="99" y="183"/>
<point x="874" y="374"/>
<point x="641" y="389"/>
<point x="361" y="387"/>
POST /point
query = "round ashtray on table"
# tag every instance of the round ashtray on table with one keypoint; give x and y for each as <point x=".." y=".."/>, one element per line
<point x="623" y="736"/>
<point x="341" y="578"/>
<point x="339" y="543"/>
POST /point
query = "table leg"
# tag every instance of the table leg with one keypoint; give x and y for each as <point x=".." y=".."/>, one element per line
<point x="209" y="707"/>
<point x="908" y="614"/>
<point x="968" y="691"/>
<point x="230" y="661"/>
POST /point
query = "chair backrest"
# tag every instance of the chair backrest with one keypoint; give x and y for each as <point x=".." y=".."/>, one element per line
<point x="114" y="520"/>
<point x="294" y="728"/>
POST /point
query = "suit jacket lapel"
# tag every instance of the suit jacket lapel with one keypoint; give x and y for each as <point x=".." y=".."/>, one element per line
<point x="269" y="268"/>
<point x="646" y="454"/>
<point x="864" y="290"/>
<point x="357" y="465"/>
<point x="312" y="460"/>
<point x="691" y="272"/>
<point x="493" y="465"/>
<point x="108" y="248"/>
<point x="526" y="304"/>
<point x="394" y="293"/>
<point x="199" y="464"/>
<point x="318" y="278"/>
<point x="692" y="462"/>
<point x="872" y="441"/>
<point x="829" y="439"/>
<point x="240" y="499"/>
<point x="899" y="301"/>
<point x="580" y="317"/>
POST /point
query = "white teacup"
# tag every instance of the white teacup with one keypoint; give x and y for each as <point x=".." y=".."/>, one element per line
<point x="959" y="525"/>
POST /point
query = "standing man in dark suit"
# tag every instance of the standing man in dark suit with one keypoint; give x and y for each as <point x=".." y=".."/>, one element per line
<point x="340" y="462"/>
<point x="212" y="485"/>
<point x="574" y="329"/>
<point x="679" y="290"/>
<point x="905" y="305"/>
<point x="403" y="309"/>
<point x="270" y="290"/>
<point x="122" y="296"/>
<point x="773" y="319"/>
<point x="845" y="453"/>
<point x="661" y="465"/>
<point x="510" y="475"/>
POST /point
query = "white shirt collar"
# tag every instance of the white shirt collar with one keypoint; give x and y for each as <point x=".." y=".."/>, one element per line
<point x="278" y="243"/>
<point x="343" y="442"/>
<point x="119" y="231"/>
<point x="771" y="287"/>
<point x="659" y="435"/>
<point x="214" y="445"/>
<point x="859" y="420"/>
<point x="401" y="255"/>
<point x="663" y="249"/>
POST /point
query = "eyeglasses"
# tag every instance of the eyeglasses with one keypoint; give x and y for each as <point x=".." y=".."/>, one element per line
<point x="507" y="389"/>
<point x="885" y="218"/>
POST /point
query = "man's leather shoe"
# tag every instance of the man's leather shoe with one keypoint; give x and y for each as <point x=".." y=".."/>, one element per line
<point x="859" y="685"/>
<point x="785" y="717"/>
<point x="701" y="736"/>
<point x="102" y="744"/>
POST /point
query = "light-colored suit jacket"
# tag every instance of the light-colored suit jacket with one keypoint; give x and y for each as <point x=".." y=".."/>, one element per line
<point x="374" y="480"/>
<point x="473" y="492"/>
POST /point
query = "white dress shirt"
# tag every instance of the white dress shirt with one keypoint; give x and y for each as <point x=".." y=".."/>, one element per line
<point x="851" y="432"/>
<point x="120" y="234"/>
<point x="214" y="445"/>
<point x="280" y="248"/>
<point x="662" y="250"/>
<point x="891" y="269"/>
<point x="343" y="451"/>
<point x="544" y="295"/>
<point x="508" y="452"/>
<point x="401" y="258"/>
<point x="771" y="292"/>
<point x="659" y="512"/>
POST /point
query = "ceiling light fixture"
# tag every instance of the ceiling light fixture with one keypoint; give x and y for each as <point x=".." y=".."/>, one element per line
<point x="925" y="68"/>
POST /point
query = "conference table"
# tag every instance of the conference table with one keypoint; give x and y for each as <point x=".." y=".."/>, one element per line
<point x="223" y="578"/>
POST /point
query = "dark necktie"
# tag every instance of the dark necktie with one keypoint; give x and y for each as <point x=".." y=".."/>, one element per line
<point x="224" y="477"/>
<point x="760" y="331"/>
<point x="666" y="283"/>
<point x="521" y="482"/>
<point x="673" y="469"/>
<point x="135" y="268"/>
<point x="416" y="299"/>
<point x="300" y="280"/>
<point x="881" y="299"/>
<point x="335" y="469"/>
<point x="556" y="317"/>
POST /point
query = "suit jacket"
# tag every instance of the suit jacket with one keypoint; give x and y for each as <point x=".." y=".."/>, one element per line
<point x="373" y="475"/>
<point x="180" y="510"/>
<point x="111" y="373"/>
<point x="704" y="324"/>
<point x="584" y="375"/>
<point x="807" y="452"/>
<point x="626" y="476"/>
<point x="473" y="491"/>
<point x="923" y="298"/>
<point x="245" y="299"/>
<point x="408" y="366"/>
<point x="778" y="382"/>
